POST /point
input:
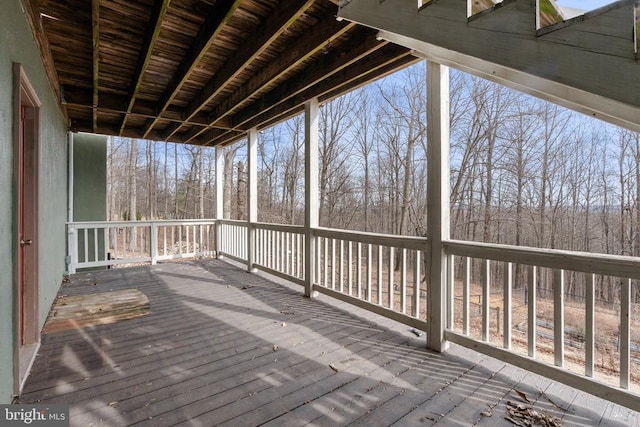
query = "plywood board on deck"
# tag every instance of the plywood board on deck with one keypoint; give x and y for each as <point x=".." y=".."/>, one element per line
<point x="79" y="311"/>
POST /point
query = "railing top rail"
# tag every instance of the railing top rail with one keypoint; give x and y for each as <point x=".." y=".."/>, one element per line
<point x="232" y="222"/>
<point x="99" y="224"/>
<point x="609" y="265"/>
<point x="407" y="242"/>
<point x="279" y="227"/>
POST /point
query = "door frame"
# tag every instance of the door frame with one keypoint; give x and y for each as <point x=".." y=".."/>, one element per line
<point x="26" y="145"/>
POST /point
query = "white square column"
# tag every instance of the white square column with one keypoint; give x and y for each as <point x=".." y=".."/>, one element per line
<point x="311" y="192"/>
<point x="252" y="196"/>
<point x="438" y="225"/>
<point x="219" y="198"/>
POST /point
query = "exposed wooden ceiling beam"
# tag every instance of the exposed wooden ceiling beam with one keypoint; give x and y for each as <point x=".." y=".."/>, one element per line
<point x="40" y="37"/>
<point x="362" y="44"/>
<point x="284" y="14"/>
<point x="157" y="16"/>
<point x="220" y="15"/>
<point x="95" y="43"/>
<point x="114" y="104"/>
<point x="386" y="59"/>
<point x="320" y="37"/>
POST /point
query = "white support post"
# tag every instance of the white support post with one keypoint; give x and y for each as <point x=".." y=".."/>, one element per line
<point x="311" y="196"/>
<point x="72" y="239"/>
<point x="219" y="199"/>
<point x="153" y="250"/>
<point x="437" y="200"/>
<point x="252" y="196"/>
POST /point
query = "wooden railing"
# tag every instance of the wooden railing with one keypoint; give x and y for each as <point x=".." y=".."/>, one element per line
<point x="381" y="273"/>
<point x="558" y="333"/>
<point x="505" y="301"/>
<point x="105" y="244"/>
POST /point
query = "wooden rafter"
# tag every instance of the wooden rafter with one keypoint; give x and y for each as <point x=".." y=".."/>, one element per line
<point x="314" y="41"/>
<point x="327" y="66"/>
<point x="285" y="13"/>
<point x="95" y="43"/>
<point x="220" y="15"/>
<point x="385" y="58"/>
<point x="321" y="37"/>
<point x="40" y="37"/>
<point x="159" y="11"/>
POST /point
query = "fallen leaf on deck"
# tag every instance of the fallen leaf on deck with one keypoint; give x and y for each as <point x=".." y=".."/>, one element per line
<point x="522" y="395"/>
<point x="332" y="366"/>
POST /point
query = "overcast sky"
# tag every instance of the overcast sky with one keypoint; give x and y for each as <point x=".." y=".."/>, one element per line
<point x="584" y="4"/>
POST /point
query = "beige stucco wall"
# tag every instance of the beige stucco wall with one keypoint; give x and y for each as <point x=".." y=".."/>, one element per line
<point x="17" y="45"/>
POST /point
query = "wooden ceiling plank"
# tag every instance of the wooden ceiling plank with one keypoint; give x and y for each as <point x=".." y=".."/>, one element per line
<point x="311" y="43"/>
<point x="357" y="76"/>
<point x="384" y="60"/>
<point x="95" y="43"/>
<point x="318" y="38"/>
<point x="157" y="16"/>
<point x="42" y="42"/>
<point x="220" y="15"/>
<point x="281" y="18"/>
<point x="325" y="67"/>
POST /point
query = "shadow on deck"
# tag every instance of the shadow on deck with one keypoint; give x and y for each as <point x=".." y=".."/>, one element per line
<point x="222" y="346"/>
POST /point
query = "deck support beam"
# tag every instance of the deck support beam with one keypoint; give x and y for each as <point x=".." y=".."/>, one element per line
<point x="252" y="196"/>
<point x="219" y="197"/>
<point x="437" y="201"/>
<point x="311" y="196"/>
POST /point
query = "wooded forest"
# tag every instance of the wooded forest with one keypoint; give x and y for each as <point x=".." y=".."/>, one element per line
<point x="523" y="171"/>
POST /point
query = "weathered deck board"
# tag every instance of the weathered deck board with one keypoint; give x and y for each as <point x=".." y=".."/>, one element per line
<point x="222" y="346"/>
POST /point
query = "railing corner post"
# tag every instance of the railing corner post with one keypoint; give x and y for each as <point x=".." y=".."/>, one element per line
<point x="72" y="249"/>
<point x="153" y="250"/>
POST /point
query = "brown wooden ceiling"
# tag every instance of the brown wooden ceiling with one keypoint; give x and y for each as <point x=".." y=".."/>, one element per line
<point x="200" y="71"/>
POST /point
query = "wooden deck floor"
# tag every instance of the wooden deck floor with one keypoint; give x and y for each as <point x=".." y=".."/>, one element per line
<point x="222" y="346"/>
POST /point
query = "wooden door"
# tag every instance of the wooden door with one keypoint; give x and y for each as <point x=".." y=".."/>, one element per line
<point x="26" y="178"/>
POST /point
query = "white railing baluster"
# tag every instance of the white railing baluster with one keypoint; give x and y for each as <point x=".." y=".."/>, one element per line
<point x="325" y="271"/>
<point x="333" y="263"/>
<point x="359" y="271"/>
<point x="350" y="265"/>
<point x="341" y="278"/>
<point x="105" y="242"/>
<point x="589" y="325"/>
<point x="319" y="272"/>
<point x="391" y="277"/>
<point x="86" y="245"/>
<point x="625" y="341"/>
<point x="531" y="310"/>
<point x="507" y="312"/>
<point x="450" y="292"/>
<point x="558" y="317"/>
<point x="486" y="298"/>
<point x="403" y="282"/>
<point x="380" y="281"/>
<point x="466" y="284"/>
<point x="96" y="255"/>
<point x="415" y="307"/>
<point x="369" y="271"/>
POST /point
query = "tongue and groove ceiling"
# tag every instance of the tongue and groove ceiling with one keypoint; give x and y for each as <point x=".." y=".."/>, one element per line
<point x="200" y="71"/>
